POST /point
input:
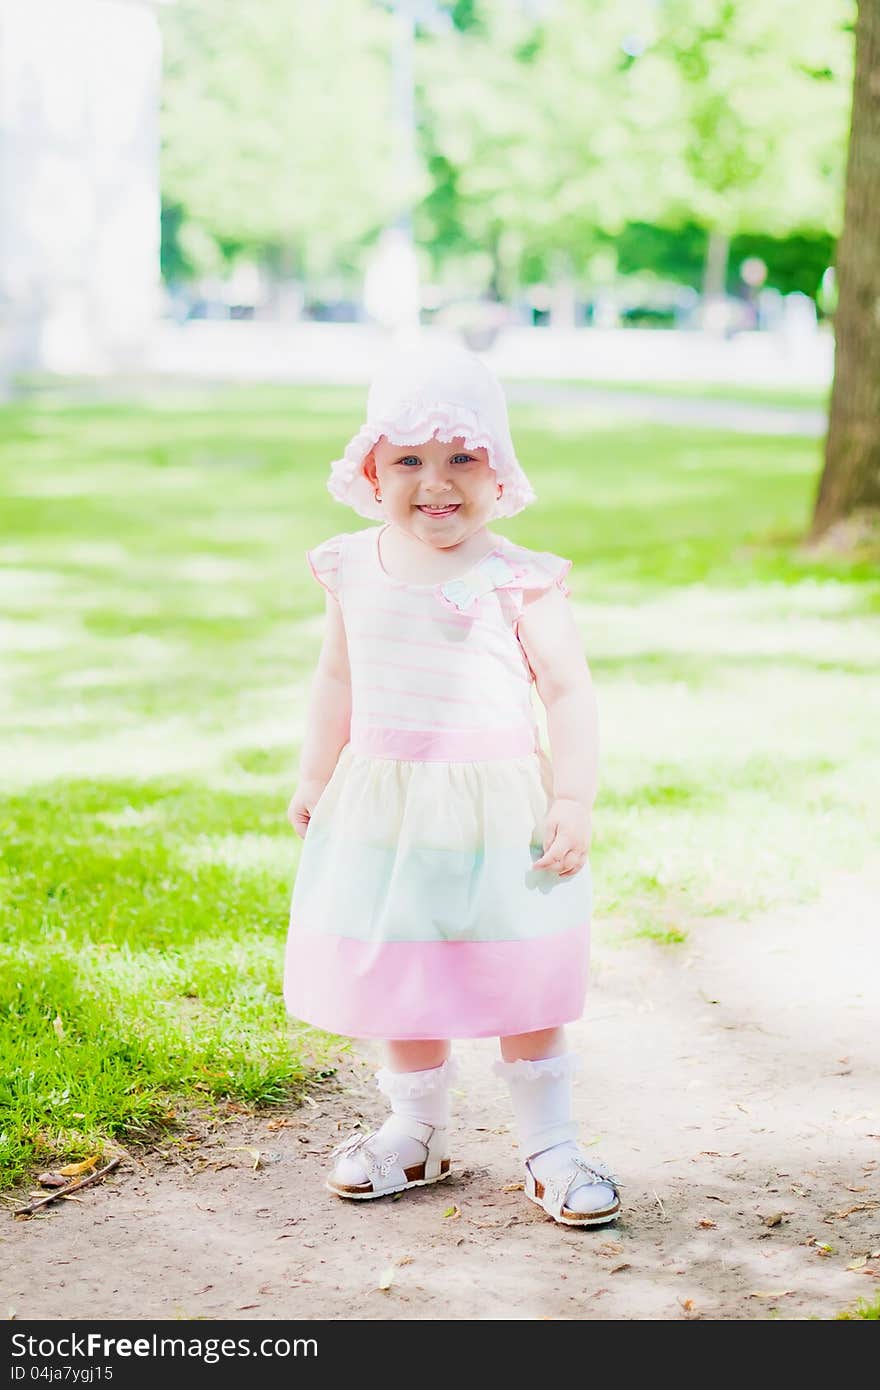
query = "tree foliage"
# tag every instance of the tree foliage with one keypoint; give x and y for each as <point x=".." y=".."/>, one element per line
<point x="275" y="124"/>
<point x="544" y="128"/>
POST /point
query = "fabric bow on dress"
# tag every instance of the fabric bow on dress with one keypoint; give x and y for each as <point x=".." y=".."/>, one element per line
<point x="492" y="572"/>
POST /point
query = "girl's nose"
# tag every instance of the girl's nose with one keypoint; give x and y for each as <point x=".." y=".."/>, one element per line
<point x="437" y="481"/>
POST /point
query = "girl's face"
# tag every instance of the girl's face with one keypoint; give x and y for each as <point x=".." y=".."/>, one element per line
<point x="440" y="492"/>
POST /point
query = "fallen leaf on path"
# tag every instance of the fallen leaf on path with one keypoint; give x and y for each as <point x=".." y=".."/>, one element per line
<point x="833" y="1215"/>
<point x="706" y="1225"/>
<point x="73" y="1170"/>
<point x="743" y="1108"/>
<point x="616" y="1269"/>
<point x="453" y="1212"/>
<point x="863" y="1188"/>
<point x="386" y="1279"/>
<point x="256" y="1155"/>
<point x="513" y="1187"/>
<point x="859" y="1263"/>
<point x="610" y="1247"/>
<point x="776" y="1219"/>
<point x="769" y="1293"/>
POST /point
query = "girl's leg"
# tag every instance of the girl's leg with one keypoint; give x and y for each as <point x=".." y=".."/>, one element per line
<point x="416" y="1081"/>
<point x="415" y="1055"/>
<point x="538" y="1072"/>
<point x="547" y="1042"/>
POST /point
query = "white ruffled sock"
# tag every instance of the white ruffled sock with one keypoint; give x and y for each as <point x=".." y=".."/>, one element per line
<point x="415" y="1095"/>
<point x="541" y="1096"/>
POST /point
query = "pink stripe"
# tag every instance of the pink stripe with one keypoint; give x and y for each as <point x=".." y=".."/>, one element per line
<point x="435" y="989"/>
<point x="440" y="745"/>
<point x="408" y="666"/>
<point x="377" y="638"/>
<point x="423" y="670"/>
<point x="418" y="615"/>
<point x="428" y="695"/>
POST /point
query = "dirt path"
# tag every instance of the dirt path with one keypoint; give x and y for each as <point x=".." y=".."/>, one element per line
<point x="735" y="1084"/>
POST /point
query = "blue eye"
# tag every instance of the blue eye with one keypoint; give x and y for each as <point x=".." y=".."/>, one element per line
<point x="457" y="458"/>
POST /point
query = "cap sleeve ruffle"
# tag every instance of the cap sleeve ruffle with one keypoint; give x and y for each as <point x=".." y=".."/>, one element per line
<point x="539" y="570"/>
<point x="325" y="562"/>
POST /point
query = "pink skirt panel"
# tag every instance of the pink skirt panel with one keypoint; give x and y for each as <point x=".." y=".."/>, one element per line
<point x="436" y="989"/>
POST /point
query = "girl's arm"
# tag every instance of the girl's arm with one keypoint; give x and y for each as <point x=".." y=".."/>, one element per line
<point x="552" y="645"/>
<point x="328" y="720"/>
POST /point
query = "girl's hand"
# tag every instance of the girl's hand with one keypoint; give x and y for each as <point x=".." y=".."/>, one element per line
<point x="567" y="836"/>
<point x="302" y="804"/>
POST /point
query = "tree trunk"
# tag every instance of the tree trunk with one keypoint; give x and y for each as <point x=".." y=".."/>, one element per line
<point x="715" y="266"/>
<point x="851" y="476"/>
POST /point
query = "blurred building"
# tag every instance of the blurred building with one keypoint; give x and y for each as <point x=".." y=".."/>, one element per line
<point x="79" y="183"/>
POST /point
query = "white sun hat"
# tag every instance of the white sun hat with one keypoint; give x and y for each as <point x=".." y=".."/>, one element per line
<point x="433" y="391"/>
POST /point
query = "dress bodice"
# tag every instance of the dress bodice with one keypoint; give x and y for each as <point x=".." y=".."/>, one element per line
<point x="437" y="670"/>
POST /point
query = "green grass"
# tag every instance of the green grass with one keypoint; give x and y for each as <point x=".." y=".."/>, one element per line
<point x="159" y="628"/>
<point x="869" y="1309"/>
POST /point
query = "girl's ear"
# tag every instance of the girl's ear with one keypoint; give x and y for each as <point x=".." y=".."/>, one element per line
<point x="369" y="467"/>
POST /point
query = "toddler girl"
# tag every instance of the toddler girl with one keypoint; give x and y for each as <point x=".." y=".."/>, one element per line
<point x="443" y="889"/>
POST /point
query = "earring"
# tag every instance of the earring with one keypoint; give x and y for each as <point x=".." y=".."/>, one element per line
<point x="378" y="498"/>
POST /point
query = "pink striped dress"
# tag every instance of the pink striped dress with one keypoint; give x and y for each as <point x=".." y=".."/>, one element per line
<point x="416" y="912"/>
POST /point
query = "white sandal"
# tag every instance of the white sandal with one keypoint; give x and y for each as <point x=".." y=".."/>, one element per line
<point x="383" y="1163"/>
<point x="552" y="1194"/>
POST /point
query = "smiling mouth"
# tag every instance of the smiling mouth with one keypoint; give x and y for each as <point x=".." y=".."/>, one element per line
<point x="440" y="511"/>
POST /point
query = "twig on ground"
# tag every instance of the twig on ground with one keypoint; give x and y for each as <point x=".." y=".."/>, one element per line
<point x="71" y="1187"/>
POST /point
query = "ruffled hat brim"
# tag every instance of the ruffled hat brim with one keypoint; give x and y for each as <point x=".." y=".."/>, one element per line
<point x="425" y="395"/>
<point x="348" y="483"/>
